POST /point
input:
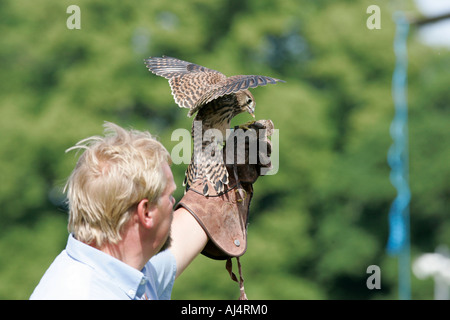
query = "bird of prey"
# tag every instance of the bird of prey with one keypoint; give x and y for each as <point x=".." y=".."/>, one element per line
<point x="216" y="99"/>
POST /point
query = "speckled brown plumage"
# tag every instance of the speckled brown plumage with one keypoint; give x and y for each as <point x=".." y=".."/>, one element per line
<point x="217" y="99"/>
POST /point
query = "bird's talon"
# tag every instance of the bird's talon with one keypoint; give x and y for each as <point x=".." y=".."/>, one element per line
<point x="246" y="125"/>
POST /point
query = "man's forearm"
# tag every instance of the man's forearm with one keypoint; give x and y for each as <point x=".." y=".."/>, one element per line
<point x="188" y="238"/>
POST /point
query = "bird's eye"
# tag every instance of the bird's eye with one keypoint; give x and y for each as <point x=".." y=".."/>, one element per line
<point x="249" y="101"/>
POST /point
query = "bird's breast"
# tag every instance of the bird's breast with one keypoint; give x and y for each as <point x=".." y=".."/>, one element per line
<point x="216" y="115"/>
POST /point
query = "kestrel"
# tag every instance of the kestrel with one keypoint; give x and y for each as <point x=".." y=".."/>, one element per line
<point x="217" y="99"/>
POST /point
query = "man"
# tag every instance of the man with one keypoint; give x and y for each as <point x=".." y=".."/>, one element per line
<point x="120" y="216"/>
<point x="121" y="220"/>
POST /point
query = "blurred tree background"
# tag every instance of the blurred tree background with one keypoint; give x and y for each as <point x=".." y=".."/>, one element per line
<point x="318" y="223"/>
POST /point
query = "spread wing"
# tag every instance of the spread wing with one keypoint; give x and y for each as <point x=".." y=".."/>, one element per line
<point x="194" y="86"/>
<point x="235" y="84"/>
<point x="188" y="81"/>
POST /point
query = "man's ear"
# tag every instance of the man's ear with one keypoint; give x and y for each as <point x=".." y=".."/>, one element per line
<point x="146" y="213"/>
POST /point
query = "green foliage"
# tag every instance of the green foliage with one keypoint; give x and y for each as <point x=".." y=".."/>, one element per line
<point x="319" y="222"/>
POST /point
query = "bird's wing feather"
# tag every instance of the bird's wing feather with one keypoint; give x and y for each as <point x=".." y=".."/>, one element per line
<point x="188" y="81"/>
<point x="235" y="84"/>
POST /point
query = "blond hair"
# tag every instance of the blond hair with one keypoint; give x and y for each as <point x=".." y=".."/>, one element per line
<point x="112" y="175"/>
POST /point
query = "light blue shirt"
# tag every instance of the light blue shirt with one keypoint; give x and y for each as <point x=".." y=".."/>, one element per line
<point x="83" y="272"/>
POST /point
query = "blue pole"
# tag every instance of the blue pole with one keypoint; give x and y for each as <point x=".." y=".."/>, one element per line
<point x="399" y="239"/>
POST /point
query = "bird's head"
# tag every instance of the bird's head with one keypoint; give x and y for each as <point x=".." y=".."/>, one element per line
<point x="246" y="102"/>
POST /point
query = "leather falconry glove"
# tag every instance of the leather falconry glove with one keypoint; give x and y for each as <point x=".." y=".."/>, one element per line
<point x="224" y="216"/>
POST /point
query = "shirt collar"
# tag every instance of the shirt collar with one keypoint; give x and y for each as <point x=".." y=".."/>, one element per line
<point x="127" y="278"/>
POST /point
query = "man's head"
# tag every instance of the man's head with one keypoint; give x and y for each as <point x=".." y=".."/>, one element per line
<point x="112" y="177"/>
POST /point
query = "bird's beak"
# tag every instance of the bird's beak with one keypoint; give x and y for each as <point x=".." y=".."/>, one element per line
<point x="251" y="111"/>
